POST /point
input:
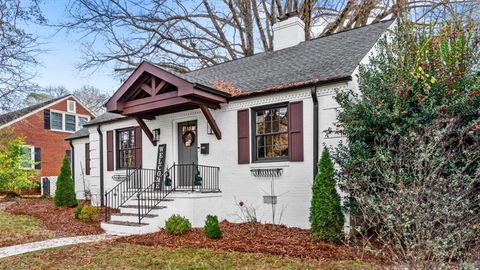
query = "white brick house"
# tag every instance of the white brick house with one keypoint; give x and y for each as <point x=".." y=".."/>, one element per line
<point x="248" y="130"/>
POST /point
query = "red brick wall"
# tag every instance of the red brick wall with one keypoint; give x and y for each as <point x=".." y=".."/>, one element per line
<point x="51" y="142"/>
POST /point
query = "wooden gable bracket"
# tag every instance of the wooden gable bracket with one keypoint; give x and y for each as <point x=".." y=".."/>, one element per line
<point x="211" y="121"/>
<point x="147" y="131"/>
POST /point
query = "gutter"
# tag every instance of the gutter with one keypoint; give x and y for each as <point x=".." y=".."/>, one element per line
<point x="72" y="160"/>
<point x="315" y="130"/>
<point x="101" y="165"/>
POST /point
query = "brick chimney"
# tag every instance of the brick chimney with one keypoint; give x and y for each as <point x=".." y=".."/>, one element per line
<point x="288" y="31"/>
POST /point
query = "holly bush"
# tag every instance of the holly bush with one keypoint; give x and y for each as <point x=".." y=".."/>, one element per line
<point x="410" y="166"/>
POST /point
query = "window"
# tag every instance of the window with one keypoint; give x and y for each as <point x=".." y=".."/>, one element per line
<point x="56" y="120"/>
<point x="71" y="106"/>
<point x="28" y="157"/>
<point x="70" y="124"/>
<point x="270" y="133"/>
<point x="126" y="148"/>
<point x="82" y="121"/>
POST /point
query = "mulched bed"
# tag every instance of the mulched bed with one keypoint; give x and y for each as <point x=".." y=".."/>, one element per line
<point x="56" y="219"/>
<point x="261" y="238"/>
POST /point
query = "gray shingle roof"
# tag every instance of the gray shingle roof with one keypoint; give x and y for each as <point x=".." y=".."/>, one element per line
<point x="8" y="117"/>
<point x="82" y="133"/>
<point x="105" y="117"/>
<point x="330" y="57"/>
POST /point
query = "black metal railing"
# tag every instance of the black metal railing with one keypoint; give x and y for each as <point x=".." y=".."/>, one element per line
<point x="151" y="196"/>
<point x="194" y="177"/>
<point x="179" y="177"/>
<point x="135" y="180"/>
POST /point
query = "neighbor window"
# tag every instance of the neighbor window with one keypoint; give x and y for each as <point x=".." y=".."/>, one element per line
<point x="71" y="106"/>
<point x="70" y="124"/>
<point x="82" y="121"/>
<point x="126" y="148"/>
<point x="271" y="133"/>
<point x="28" y="157"/>
<point x="56" y="120"/>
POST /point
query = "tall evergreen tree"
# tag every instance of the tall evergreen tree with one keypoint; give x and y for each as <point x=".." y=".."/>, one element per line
<point x="326" y="217"/>
<point x="65" y="192"/>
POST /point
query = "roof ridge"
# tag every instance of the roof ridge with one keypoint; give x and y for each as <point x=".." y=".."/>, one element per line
<point x="43" y="103"/>
<point x="303" y="42"/>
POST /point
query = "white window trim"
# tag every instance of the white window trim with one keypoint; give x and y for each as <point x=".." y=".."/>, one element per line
<point x="32" y="155"/>
<point x="63" y="113"/>
<point x="69" y="102"/>
<point x="51" y="120"/>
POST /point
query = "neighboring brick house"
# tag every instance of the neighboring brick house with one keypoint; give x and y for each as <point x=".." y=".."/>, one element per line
<point x="44" y="127"/>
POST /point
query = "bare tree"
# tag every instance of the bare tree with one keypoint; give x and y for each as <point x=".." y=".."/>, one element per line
<point x="18" y="50"/>
<point x="186" y="35"/>
<point x="91" y="97"/>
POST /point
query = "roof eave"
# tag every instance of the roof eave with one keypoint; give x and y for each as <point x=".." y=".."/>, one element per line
<point x="288" y="87"/>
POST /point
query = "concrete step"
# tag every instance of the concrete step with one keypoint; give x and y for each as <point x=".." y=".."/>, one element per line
<point x="128" y="228"/>
<point x="133" y="209"/>
<point x="131" y="217"/>
<point x="126" y="223"/>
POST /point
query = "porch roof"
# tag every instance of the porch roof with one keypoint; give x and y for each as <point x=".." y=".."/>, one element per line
<point x="151" y="91"/>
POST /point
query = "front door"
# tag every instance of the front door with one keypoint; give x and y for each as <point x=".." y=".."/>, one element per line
<point x="187" y="153"/>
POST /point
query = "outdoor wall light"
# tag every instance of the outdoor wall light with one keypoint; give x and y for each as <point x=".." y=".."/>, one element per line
<point x="209" y="129"/>
<point x="156" y="134"/>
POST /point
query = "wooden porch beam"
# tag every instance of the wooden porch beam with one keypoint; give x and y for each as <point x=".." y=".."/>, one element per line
<point x="146" y="130"/>
<point x="211" y="121"/>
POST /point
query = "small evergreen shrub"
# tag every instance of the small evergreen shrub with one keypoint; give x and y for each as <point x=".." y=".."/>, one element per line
<point x="326" y="217"/>
<point x="88" y="213"/>
<point x="65" y="192"/>
<point x="78" y="211"/>
<point x="177" y="225"/>
<point x="212" y="228"/>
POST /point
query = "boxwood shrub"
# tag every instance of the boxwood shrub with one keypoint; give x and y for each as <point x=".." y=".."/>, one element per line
<point x="177" y="225"/>
<point x="212" y="228"/>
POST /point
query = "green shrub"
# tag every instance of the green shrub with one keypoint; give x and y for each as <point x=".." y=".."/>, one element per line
<point x="177" y="224"/>
<point x="326" y="217"/>
<point x="88" y="213"/>
<point x="78" y="211"/>
<point x="14" y="161"/>
<point x="65" y="192"/>
<point x="212" y="228"/>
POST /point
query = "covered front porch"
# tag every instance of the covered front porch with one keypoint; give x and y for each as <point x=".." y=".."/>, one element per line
<point x="154" y="97"/>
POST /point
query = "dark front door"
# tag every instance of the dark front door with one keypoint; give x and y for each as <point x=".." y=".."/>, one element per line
<point x="187" y="152"/>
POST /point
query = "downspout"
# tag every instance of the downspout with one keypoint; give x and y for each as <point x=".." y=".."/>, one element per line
<point x="101" y="164"/>
<point x="72" y="160"/>
<point x="315" y="130"/>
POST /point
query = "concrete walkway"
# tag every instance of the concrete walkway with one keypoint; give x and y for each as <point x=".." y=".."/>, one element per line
<point x="52" y="243"/>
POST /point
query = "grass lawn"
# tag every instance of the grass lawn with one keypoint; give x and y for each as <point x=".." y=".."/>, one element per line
<point x="130" y="256"/>
<point x="19" y="229"/>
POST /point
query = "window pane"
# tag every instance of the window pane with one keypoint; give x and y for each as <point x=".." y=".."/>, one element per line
<point x="126" y="148"/>
<point x="82" y="121"/>
<point x="70" y="124"/>
<point x="272" y="133"/>
<point x="27" y="157"/>
<point x="56" y="120"/>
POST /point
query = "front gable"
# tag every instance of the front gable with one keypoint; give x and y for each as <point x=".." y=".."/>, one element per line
<point x="152" y="91"/>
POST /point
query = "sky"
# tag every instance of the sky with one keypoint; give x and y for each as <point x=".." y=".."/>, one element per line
<point x="62" y="52"/>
